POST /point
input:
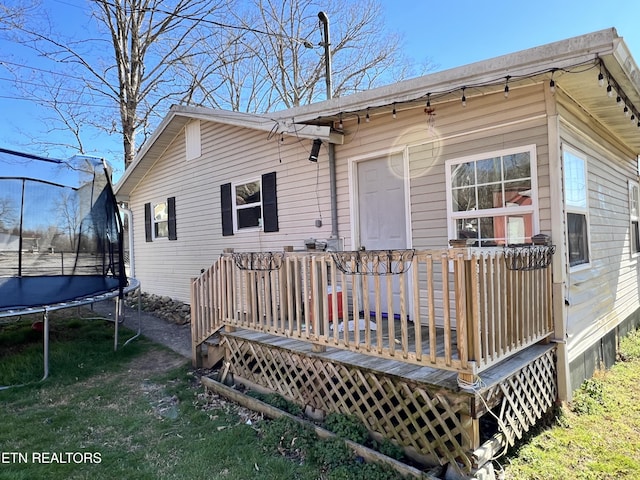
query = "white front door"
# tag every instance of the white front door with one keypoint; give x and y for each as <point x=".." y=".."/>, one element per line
<point x="382" y="216"/>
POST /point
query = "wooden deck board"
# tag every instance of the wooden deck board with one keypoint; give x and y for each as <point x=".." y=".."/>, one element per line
<point x="431" y="376"/>
<point x="496" y="374"/>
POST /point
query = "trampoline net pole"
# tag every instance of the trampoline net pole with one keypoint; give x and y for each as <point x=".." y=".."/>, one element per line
<point x="117" y="322"/>
<point x="45" y="318"/>
<point x="138" y="288"/>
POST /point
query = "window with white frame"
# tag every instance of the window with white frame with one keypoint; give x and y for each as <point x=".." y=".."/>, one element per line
<point x="492" y="198"/>
<point x="634" y="217"/>
<point x="160" y="220"/>
<point x="250" y="205"/>
<point x="247" y="205"/>
<point x="576" y="204"/>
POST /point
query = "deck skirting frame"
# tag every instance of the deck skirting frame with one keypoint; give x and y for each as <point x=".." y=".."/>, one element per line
<point x="434" y="424"/>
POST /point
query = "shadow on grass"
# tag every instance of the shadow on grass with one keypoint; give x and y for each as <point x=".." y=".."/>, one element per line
<point x="78" y="348"/>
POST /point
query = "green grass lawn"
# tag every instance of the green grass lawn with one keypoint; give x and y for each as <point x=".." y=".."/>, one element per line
<point x="131" y="414"/>
<point x="597" y="436"/>
<point x="140" y="413"/>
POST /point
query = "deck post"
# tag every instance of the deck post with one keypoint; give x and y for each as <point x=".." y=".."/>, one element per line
<point x="469" y="285"/>
<point x="286" y="313"/>
<point x="317" y="310"/>
<point x="468" y="422"/>
<point x="471" y="426"/>
<point x="196" y="359"/>
<point x="467" y="317"/>
<point x="229" y="292"/>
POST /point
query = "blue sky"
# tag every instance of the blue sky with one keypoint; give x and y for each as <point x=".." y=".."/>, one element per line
<point x="449" y="34"/>
<point x="454" y="33"/>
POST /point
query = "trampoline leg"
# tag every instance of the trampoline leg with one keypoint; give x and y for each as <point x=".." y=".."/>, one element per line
<point x="117" y="322"/>
<point x="46" y="344"/>
<point x="139" y="319"/>
<point x="45" y="366"/>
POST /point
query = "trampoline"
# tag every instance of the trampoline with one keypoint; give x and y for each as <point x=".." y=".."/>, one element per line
<point x="61" y="239"/>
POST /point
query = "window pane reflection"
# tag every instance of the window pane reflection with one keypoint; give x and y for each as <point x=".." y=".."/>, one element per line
<point x="496" y="230"/>
<point x="248" y="193"/>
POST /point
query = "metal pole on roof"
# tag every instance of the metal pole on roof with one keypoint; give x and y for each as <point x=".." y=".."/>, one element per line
<point x="331" y="147"/>
<point x="327" y="52"/>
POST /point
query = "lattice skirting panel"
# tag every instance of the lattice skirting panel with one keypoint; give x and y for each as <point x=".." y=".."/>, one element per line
<point x="430" y="422"/>
<point x="424" y="421"/>
<point x="525" y="397"/>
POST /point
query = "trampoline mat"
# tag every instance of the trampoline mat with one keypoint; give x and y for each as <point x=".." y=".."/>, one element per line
<point x="28" y="292"/>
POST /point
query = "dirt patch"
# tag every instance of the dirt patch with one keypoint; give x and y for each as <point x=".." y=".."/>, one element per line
<point x="155" y="361"/>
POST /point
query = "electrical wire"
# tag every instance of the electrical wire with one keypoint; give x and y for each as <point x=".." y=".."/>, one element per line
<point x="475" y="386"/>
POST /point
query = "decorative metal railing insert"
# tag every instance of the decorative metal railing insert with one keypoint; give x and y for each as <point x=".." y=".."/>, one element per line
<point x="373" y="262"/>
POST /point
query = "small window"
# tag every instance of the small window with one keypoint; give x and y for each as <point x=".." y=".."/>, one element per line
<point x="492" y="197"/>
<point x="578" y="237"/>
<point x="634" y="217"/>
<point x="250" y="205"/>
<point x="576" y="202"/>
<point x="160" y="220"/>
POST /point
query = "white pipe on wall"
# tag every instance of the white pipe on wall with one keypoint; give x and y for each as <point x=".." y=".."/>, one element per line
<point x="132" y="263"/>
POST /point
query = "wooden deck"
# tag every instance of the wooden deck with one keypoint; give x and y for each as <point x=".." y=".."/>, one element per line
<point x="439" y="340"/>
<point x="423" y="409"/>
<point x="454" y="309"/>
<point x="435" y="377"/>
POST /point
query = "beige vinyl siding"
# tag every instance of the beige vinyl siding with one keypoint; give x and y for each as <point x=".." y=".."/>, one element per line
<point x="229" y="154"/>
<point x="466" y="131"/>
<point x="497" y="124"/>
<point x="602" y="296"/>
<point x="488" y="124"/>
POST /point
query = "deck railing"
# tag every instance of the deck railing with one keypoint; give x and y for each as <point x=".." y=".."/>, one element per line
<point x="460" y="309"/>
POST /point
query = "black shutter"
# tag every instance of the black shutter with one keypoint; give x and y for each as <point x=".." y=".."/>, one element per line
<point x="171" y="206"/>
<point x="147" y="222"/>
<point x="227" y="209"/>
<point x="269" y="203"/>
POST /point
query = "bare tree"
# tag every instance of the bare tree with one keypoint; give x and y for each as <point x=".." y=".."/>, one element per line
<point x="143" y="41"/>
<point x="137" y="57"/>
<point x="14" y="14"/>
<point x="278" y="61"/>
<point x="8" y="213"/>
<point x="69" y="221"/>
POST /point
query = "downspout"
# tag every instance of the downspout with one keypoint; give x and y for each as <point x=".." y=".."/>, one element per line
<point x="331" y="150"/>
<point x="132" y="263"/>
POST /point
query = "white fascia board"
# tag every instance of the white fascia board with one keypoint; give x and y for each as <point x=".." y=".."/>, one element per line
<point x="132" y="170"/>
<point x="562" y="54"/>
<point x="283" y="125"/>
<point x="630" y="70"/>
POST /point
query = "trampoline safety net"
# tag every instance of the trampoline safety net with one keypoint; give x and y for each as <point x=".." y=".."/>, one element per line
<point x="60" y="230"/>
